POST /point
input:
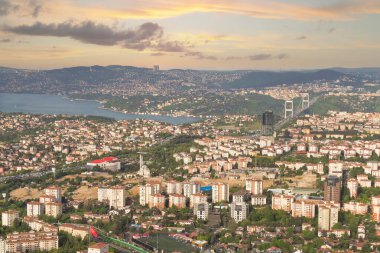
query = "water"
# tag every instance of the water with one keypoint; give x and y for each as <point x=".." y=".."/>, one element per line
<point x="52" y="104"/>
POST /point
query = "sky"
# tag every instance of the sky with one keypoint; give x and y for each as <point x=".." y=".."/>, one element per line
<point x="208" y="34"/>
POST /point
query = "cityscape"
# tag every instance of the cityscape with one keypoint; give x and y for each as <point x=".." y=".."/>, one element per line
<point x="195" y="126"/>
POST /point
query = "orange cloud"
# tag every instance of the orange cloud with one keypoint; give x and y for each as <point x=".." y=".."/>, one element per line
<point x="261" y="9"/>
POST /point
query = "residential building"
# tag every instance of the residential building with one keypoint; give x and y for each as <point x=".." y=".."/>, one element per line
<point x="376" y="213"/>
<point x="177" y="200"/>
<point x="117" y="197"/>
<point x="99" y="247"/>
<point x="39" y="225"/>
<point x="220" y="192"/>
<point x="201" y="210"/>
<point x="327" y="216"/>
<point x="355" y="208"/>
<point x="147" y="190"/>
<point x="239" y="211"/>
<point x="254" y="186"/>
<point x="173" y="187"/>
<point x="31" y="241"/>
<point x="353" y="185"/>
<point x="191" y="188"/>
<point x="241" y="196"/>
<point x="55" y="192"/>
<point x="53" y="209"/>
<point x="34" y="209"/>
<point x="282" y="202"/>
<point x="332" y="189"/>
<point x="158" y="201"/>
<point x="8" y="218"/>
<point x="76" y="230"/>
<point x="258" y="200"/>
<point x="303" y="208"/>
<point x="197" y="198"/>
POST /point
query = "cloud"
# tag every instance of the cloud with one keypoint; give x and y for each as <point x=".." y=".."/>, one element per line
<point x="303" y="37"/>
<point x="171" y="46"/>
<point x="36" y="6"/>
<point x="260" y="57"/>
<point x="281" y="56"/>
<point x="331" y="30"/>
<point x="148" y="35"/>
<point x="157" y="54"/>
<point x="200" y="55"/>
<point x="231" y="58"/>
<point x="6" y="7"/>
<point x="5" y="40"/>
<point x="269" y="9"/>
<point x="263" y="57"/>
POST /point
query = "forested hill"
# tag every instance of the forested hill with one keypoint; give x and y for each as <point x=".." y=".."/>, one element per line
<point x="260" y="79"/>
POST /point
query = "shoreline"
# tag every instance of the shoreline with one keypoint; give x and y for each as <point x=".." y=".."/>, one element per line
<point x="137" y="113"/>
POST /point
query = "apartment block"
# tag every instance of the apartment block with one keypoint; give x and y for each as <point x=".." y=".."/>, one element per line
<point x="177" y="200"/>
<point x="327" y="216"/>
<point x="191" y="188"/>
<point x="239" y="211"/>
<point x="55" y="192"/>
<point x="158" y="201"/>
<point x="303" y="208"/>
<point x="201" y="210"/>
<point x="34" y="209"/>
<point x="53" y="209"/>
<point x="197" y="198"/>
<point x="254" y="186"/>
<point x="8" y="218"/>
<point x="282" y="202"/>
<point x="31" y="241"/>
<point x="220" y="192"/>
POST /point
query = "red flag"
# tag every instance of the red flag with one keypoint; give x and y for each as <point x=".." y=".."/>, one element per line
<point x="93" y="232"/>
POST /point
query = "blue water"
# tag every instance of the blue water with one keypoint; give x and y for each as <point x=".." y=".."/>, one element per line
<point x="51" y="104"/>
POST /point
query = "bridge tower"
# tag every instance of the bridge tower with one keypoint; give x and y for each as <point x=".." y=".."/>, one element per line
<point x="305" y="100"/>
<point x="289" y="109"/>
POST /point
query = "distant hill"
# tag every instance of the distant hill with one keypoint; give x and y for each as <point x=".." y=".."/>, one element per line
<point x="260" y="79"/>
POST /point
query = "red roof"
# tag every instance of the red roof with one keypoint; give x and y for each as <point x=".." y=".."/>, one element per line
<point x="105" y="160"/>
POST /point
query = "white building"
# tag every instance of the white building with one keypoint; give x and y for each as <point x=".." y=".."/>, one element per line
<point x="239" y="211"/>
<point x="117" y="197"/>
<point x="254" y="186"/>
<point x="8" y="218"/>
<point x="173" y="187"/>
<point x="258" y="200"/>
<point x="34" y="209"/>
<point x="201" y="210"/>
<point x="146" y="191"/>
<point x="220" y="192"/>
<point x="53" y="209"/>
<point x="197" y="198"/>
<point x="327" y="216"/>
<point x="99" y="247"/>
<point x="353" y="185"/>
<point x="55" y="192"/>
<point x="191" y="188"/>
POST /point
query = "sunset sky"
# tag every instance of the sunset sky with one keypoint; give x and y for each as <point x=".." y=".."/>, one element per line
<point x="210" y="34"/>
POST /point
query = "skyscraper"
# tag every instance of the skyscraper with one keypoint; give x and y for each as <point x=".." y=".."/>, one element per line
<point x="332" y="189"/>
<point x="268" y="123"/>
